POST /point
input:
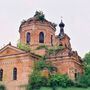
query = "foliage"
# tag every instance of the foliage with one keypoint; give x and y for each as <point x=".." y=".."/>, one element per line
<point x="59" y="48"/>
<point x="84" y="79"/>
<point x="54" y="25"/>
<point x="80" y="85"/>
<point x="87" y="58"/>
<point x="51" y="50"/>
<point x="42" y="47"/>
<point x="60" y="80"/>
<point x="42" y="64"/>
<point x="2" y="87"/>
<point x="51" y="68"/>
<point x="24" y="47"/>
<point x="60" y="88"/>
<point x="55" y="80"/>
<point x="39" y="15"/>
<point x="36" y="80"/>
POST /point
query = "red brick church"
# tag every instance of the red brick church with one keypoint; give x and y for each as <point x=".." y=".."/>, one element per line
<point x="16" y="65"/>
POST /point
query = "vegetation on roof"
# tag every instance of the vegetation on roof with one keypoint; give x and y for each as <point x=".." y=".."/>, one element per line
<point x="39" y="15"/>
<point x="23" y="47"/>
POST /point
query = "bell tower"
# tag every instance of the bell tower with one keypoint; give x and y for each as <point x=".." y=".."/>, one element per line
<point x="64" y="39"/>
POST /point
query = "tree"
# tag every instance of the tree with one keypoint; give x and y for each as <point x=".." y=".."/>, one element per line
<point x="60" y="80"/>
<point x="87" y="58"/>
<point x="84" y="79"/>
<point x="37" y="80"/>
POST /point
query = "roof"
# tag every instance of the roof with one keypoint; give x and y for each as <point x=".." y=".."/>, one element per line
<point x="39" y="17"/>
<point x="10" y="50"/>
<point x="34" y="20"/>
<point x="65" y="35"/>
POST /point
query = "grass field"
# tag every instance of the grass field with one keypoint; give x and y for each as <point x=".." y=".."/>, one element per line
<point x="73" y="88"/>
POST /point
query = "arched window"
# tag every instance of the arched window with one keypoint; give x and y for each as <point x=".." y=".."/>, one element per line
<point x="75" y="76"/>
<point x="51" y="40"/>
<point x="28" y="38"/>
<point x="41" y="37"/>
<point x="1" y="74"/>
<point x="15" y="74"/>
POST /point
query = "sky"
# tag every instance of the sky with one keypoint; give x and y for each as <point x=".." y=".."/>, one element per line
<point x="75" y="13"/>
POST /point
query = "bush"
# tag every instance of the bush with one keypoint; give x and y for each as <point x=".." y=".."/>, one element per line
<point x="60" y="80"/>
<point x="80" y="85"/>
<point x="70" y="83"/>
<point x="36" y="81"/>
<point x="41" y="65"/>
<point x="39" y="15"/>
<point x="44" y="81"/>
<point x="24" y="47"/>
<point x="2" y="87"/>
<point x="84" y="79"/>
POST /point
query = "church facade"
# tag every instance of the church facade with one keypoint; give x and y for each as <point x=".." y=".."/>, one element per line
<point x="16" y="65"/>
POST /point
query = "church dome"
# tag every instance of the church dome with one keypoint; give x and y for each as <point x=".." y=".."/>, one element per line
<point x="38" y="18"/>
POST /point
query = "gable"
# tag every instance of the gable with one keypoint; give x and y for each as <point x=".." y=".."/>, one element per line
<point x="10" y="50"/>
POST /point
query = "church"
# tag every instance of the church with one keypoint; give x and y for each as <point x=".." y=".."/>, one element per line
<point x="16" y="65"/>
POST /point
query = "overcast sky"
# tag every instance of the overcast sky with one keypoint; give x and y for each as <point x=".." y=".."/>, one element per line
<point x="75" y="13"/>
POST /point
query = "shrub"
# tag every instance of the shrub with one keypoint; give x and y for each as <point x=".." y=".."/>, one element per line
<point x="2" y="87"/>
<point x="80" y="85"/>
<point x="60" y="80"/>
<point x="39" y="15"/>
<point x="70" y="83"/>
<point x="87" y="58"/>
<point x="41" y="65"/>
<point x="24" y="47"/>
<point x="84" y="79"/>
<point x="36" y="81"/>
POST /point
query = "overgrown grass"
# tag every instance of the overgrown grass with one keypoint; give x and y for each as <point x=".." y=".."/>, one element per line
<point x="72" y="88"/>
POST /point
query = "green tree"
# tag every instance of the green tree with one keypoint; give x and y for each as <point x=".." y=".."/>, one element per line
<point x="60" y="80"/>
<point x="87" y="58"/>
<point x="84" y="79"/>
<point x="36" y="80"/>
